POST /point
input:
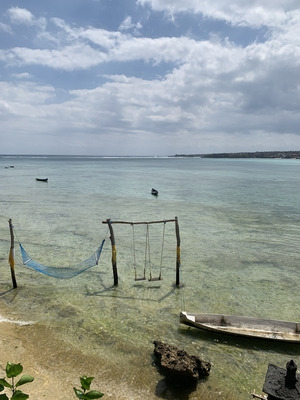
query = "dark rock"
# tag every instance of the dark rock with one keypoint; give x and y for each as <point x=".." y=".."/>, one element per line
<point x="282" y="384"/>
<point x="290" y="378"/>
<point x="178" y="364"/>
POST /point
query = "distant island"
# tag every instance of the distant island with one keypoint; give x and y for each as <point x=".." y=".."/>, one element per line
<point x="256" y="154"/>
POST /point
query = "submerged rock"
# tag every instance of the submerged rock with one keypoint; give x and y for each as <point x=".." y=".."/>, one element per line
<point x="175" y="363"/>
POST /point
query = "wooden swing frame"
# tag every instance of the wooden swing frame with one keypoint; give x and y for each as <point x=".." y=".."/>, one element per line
<point x="114" y="251"/>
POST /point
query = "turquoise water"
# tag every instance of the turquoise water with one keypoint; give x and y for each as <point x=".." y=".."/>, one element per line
<point x="239" y="229"/>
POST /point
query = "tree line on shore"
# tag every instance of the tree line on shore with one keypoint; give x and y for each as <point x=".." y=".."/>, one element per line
<point x="256" y="154"/>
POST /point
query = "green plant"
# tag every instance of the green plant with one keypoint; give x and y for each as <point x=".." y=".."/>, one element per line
<point x="85" y="393"/>
<point x="12" y="371"/>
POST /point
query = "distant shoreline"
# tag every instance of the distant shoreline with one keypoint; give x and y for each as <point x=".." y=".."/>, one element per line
<point x="256" y="154"/>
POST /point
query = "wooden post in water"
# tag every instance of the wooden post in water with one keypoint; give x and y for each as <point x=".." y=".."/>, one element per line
<point x="11" y="257"/>
<point x="177" y="252"/>
<point x="113" y="252"/>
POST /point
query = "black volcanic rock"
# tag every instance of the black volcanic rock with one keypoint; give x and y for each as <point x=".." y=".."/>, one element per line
<point x="175" y="363"/>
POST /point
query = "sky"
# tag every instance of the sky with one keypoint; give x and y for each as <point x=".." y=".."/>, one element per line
<point x="149" y="77"/>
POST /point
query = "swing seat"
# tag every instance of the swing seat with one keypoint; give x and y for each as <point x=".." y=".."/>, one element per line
<point x="140" y="279"/>
<point x="151" y="279"/>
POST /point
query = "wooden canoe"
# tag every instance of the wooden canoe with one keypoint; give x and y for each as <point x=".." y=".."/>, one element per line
<point x="244" y="326"/>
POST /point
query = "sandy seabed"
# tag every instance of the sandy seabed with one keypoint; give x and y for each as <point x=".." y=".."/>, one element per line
<point x="55" y="365"/>
<point x="29" y="345"/>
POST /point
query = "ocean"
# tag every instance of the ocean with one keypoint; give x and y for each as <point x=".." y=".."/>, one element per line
<point x="239" y="230"/>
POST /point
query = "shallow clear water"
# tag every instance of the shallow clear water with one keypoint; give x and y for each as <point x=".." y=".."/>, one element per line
<point x="239" y="229"/>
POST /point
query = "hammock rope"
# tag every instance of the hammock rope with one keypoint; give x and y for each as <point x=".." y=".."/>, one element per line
<point x="61" y="272"/>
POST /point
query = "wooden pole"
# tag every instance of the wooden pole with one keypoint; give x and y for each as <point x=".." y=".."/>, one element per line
<point x="11" y="257"/>
<point x="178" y="262"/>
<point x="113" y="252"/>
<point x="139" y="223"/>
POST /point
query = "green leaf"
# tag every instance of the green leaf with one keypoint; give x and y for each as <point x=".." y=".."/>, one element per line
<point x="13" y="370"/>
<point x="24" y="379"/>
<point x="4" y="383"/>
<point x="18" y="395"/>
<point x="86" y="382"/>
<point x="93" y="394"/>
<point x="79" y="393"/>
<point x="3" y="397"/>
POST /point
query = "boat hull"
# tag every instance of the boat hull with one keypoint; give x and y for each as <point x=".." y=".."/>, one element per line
<point x="41" y="179"/>
<point x="248" y="327"/>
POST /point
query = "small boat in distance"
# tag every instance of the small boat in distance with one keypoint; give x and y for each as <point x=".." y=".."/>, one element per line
<point x="248" y="327"/>
<point x="41" y="179"/>
<point x="154" y="192"/>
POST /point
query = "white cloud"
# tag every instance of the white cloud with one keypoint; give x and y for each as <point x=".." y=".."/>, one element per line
<point x="68" y="59"/>
<point x="107" y="47"/>
<point x="6" y="28"/>
<point x="127" y="25"/>
<point x="214" y="94"/>
<point x="237" y="12"/>
<point x="101" y="37"/>
<point x="73" y="48"/>
<point x="22" y="75"/>
<point x="191" y="109"/>
<point x="21" y="16"/>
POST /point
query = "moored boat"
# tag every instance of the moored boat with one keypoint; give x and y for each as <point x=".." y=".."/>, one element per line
<point x="154" y="192"/>
<point x="249" y="327"/>
<point x="42" y="179"/>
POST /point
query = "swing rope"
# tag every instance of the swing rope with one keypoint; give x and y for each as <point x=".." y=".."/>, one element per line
<point x="147" y="262"/>
<point x="133" y="246"/>
<point x="147" y="250"/>
<point x="161" y="257"/>
<point x="162" y="250"/>
<point x="136" y="278"/>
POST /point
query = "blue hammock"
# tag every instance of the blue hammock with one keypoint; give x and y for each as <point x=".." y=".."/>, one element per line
<point x="62" y="272"/>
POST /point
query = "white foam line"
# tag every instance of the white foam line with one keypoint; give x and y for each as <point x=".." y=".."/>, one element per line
<point x="11" y="321"/>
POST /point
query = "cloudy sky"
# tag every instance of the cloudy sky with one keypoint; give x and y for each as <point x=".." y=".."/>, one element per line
<point x="149" y="77"/>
